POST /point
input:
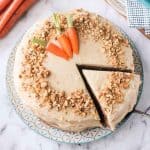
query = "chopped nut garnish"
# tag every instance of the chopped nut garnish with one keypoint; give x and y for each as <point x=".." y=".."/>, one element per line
<point x="113" y="94"/>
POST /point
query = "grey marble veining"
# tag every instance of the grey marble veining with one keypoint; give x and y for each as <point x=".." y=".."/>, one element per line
<point x="15" y="135"/>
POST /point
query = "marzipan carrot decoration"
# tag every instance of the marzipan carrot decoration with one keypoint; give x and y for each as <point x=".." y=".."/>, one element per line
<point x="3" y="4"/>
<point x="53" y="48"/>
<point x="19" y="12"/>
<point x="9" y="12"/>
<point x="62" y="38"/>
<point x="73" y="35"/>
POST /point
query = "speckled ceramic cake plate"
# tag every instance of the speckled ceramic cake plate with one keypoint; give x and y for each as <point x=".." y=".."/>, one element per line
<point x="52" y="133"/>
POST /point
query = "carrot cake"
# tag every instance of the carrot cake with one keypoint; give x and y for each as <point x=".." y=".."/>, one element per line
<point x="53" y="88"/>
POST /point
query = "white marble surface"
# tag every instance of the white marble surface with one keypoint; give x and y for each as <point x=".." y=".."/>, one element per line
<point x="15" y="135"/>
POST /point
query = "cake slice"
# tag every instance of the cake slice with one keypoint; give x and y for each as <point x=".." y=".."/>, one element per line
<point x="116" y="93"/>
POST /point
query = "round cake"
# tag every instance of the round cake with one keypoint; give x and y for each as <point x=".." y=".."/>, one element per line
<point x="95" y="88"/>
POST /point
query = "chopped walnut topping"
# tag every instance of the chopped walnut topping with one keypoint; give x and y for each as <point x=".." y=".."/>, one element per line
<point x="113" y="94"/>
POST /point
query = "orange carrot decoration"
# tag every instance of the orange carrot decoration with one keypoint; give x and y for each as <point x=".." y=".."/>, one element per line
<point x="62" y="38"/>
<point x="53" y="48"/>
<point x="65" y="43"/>
<point x="73" y="35"/>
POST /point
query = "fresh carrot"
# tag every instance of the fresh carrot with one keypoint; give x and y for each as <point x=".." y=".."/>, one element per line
<point x="53" y="48"/>
<point x="73" y="35"/>
<point x="62" y="38"/>
<point x="9" y="13"/>
<point x="3" y="4"/>
<point x="19" y="12"/>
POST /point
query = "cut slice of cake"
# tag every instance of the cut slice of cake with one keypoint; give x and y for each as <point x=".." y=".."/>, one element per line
<point x="116" y="93"/>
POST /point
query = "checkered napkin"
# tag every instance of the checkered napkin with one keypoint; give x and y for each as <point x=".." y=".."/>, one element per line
<point x="138" y="15"/>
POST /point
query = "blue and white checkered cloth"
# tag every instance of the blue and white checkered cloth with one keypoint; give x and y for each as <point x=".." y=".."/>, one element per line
<point x="138" y="15"/>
